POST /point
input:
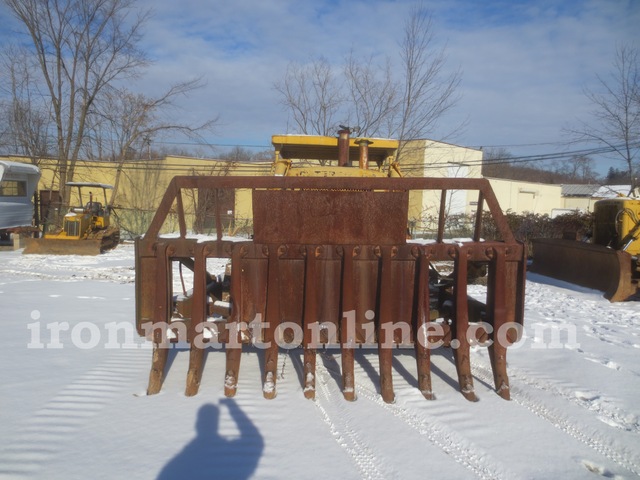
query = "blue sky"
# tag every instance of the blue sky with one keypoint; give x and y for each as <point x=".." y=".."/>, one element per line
<point x="524" y="64"/>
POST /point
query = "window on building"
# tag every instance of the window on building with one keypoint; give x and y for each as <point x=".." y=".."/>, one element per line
<point x="13" y="188"/>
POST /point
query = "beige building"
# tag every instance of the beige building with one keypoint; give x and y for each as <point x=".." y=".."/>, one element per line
<point x="530" y="197"/>
<point x="140" y="185"/>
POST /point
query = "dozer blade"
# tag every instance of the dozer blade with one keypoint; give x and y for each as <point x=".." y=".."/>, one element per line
<point x="587" y="265"/>
<point x="54" y="246"/>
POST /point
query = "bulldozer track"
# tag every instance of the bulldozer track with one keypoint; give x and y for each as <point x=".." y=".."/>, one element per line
<point x="592" y="402"/>
<point x="332" y="413"/>
<point x="44" y="434"/>
<point x="620" y="455"/>
<point x="119" y="274"/>
<point x="461" y="450"/>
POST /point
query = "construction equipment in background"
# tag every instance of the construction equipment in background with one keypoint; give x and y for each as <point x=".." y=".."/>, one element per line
<point x="328" y="266"/>
<point x="86" y="228"/>
<point x="609" y="262"/>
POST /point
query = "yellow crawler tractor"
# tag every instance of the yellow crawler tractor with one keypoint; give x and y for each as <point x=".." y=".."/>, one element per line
<point x="328" y="265"/>
<point x="86" y="228"/>
<point x="609" y="262"/>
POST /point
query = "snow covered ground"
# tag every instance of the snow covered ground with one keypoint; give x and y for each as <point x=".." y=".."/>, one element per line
<point x="73" y="403"/>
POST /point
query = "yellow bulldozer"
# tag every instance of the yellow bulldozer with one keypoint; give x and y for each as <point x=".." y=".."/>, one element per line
<point x="328" y="265"/>
<point x="609" y="262"/>
<point x="86" y="228"/>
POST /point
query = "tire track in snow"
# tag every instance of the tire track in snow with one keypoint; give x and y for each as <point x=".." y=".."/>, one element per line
<point x="608" y="414"/>
<point x="332" y="411"/>
<point x="45" y="432"/>
<point x="111" y="274"/>
<point x="451" y="443"/>
<point x="620" y="455"/>
<point x="462" y="450"/>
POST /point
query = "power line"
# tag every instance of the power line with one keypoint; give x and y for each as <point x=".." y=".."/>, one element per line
<point x="259" y="168"/>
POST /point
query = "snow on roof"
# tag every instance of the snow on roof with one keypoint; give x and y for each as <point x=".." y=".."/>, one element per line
<point x="18" y="167"/>
<point x="612" y="191"/>
<point x="89" y="184"/>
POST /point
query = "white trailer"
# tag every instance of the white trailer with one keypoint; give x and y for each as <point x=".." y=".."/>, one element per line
<point x="18" y="182"/>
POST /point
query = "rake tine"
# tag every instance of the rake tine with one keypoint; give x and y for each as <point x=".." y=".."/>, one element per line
<point x="233" y="349"/>
<point x="347" y="343"/>
<point x="310" y="317"/>
<point x="421" y="343"/>
<point x="461" y="349"/>
<point x="498" y="309"/>
<point x="198" y="315"/>
<point x="272" y="320"/>
<point x="158" y="365"/>
<point x="385" y="339"/>
<point x="163" y="296"/>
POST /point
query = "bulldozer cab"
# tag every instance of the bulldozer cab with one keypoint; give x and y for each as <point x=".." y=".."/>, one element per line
<point x="617" y="224"/>
<point x="89" y="199"/>
<point x="94" y="208"/>
<point x="97" y="213"/>
<point x="86" y="228"/>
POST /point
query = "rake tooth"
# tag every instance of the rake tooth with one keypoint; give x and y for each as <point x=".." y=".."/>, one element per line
<point x="158" y="364"/>
<point x="498" y="309"/>
<point x="348" y="375"/>
<point x="272" y="320"/>
<point x="269" y="385"/>
<point x="162" y="307"/>
<point x="465" y="379"/>
<point x="347" y="343"/>
<point x="309" y="373"/>
<point x="198" y="315"/>
<point x="498" y="358"/>
<point x="421" y="342"/>
<point x="233" y="351"/>
<point x="194" y="374"/>
<point x="232" y="370"/>
<point x="461" y="348"/>
<point x="310" y="317"/>
<point x="385" y="338"/>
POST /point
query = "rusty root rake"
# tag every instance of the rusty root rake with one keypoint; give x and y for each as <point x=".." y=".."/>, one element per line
<point x="329" y="264"/>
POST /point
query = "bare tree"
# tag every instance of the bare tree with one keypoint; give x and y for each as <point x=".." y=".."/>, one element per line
<point x="143" y="197"/>
<point x="405" y="101"/>
<point x="27" y="118"/>
<point x="495" y="160"/>
<point x="313" y="96"/>
<point x="615" y="120"/>
<point x="237" y="154"/>
<point x="578" y="168"/>
<point x="373" y="96"/>
<point x="124" y="123"/>
<point x="427" y="92"/>
<point x="81" y="48"/>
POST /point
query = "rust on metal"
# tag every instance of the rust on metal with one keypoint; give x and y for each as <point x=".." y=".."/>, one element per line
<point x="328" y="217"/>
<point x="588" y="265"/>
<point x="363" y="150"/>
<point x="343" y="147"/>
<point x="329" y="266"/>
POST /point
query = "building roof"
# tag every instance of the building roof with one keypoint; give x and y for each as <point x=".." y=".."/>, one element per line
<point x="579" y="190"/>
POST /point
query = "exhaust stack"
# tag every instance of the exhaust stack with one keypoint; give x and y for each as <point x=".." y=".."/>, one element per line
<point x="343" y="146"/>
<point x="364" y="153"/>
